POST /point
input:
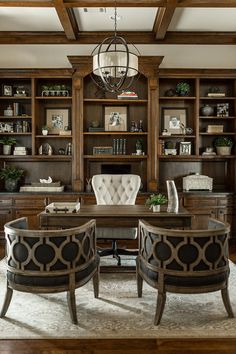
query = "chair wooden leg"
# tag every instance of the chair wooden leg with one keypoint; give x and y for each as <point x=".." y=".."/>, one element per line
<point x="161" y="300"/>
<point x="226" y="301"/>
<point x="139" y="285"/>
<point x="7" y="300"/>
<point x="72" y="305"/>
<point x="96" y="284"/>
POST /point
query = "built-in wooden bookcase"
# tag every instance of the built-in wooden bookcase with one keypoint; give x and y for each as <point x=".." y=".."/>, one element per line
<point x="22" y="92"/>
<point x="220" y="168"/>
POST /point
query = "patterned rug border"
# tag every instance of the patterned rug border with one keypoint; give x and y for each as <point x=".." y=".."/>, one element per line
<point x="122" y="315"/>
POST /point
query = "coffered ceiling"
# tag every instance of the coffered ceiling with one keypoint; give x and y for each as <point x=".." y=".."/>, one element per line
<point x="189" y="33"/>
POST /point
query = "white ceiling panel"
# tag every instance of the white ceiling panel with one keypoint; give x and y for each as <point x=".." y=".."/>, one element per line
<point x="131" y="19"/>
<point x="203" y="19"/>
<point x="29" y="19"/>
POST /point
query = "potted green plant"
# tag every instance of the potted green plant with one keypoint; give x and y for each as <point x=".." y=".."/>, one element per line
<point x="223" y="145"/>
<point x="182" y="88"/>
<point x="139" y="147"/>
<point x="11" y="175"/>
<point x="45" y="130"/>
<point x="7" y="142"/>
<point x="156" y="200"/>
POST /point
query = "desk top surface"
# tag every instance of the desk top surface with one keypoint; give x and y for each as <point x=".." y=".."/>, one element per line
<point x="118" y="211"/>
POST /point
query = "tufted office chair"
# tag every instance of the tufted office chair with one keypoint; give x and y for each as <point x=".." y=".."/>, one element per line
<point x="116" y="190"/>
<point x="184" y="261"/>
<point x="50" y="261"/>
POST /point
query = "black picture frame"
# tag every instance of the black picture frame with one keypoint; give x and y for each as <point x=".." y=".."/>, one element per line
<point x="7" y="90"/>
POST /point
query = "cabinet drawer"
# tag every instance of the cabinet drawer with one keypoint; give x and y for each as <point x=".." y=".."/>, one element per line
<point x="5" y="202"/>
<point x="225" y="201"/>
<point x="30" y="201"/>
<point x="200" y="202"/>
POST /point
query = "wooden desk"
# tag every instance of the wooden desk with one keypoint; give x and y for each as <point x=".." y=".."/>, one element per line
<point x="116" y="216"/>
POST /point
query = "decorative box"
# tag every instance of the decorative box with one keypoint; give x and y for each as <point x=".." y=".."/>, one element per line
<point x="102" y="150"/>
<point x="61" y="207"/>
<point x="197" y="182"/>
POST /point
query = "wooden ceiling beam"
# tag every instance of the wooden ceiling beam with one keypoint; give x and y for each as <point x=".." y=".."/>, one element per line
<point x="209" y="38"/>
<point x="29" y="3"/>
<point x="149" y="3"/>
<point x="119" y="3"/>
<point x="163" y="19"/>
<point x="67" y="19"/>
<point x="113" y="3"/>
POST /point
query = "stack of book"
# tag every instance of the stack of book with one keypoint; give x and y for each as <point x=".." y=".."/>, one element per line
<point x="20" y="151"/>
<point x="127" y="95"/>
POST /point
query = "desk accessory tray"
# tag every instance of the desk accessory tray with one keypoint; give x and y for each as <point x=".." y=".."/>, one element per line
<point x="61" y="207"/>
<point x="41" y="188"/>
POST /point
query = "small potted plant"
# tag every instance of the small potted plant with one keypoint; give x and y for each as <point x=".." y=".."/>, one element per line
<point x="7" y="142"/>
<point x="223" y="145"/>
<point x="139" y="147"/>
<point x="182" y="88"/>
<point x="45" y="130"/>
<point x="11" y="176"/>
<point x="156" y="200"/>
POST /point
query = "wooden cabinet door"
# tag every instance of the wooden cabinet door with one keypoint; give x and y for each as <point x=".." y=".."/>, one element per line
<point x="5" y="216"/>
<point x="31" y="214"/>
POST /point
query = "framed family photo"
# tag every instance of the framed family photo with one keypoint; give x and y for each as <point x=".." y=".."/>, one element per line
<point x="115" y="118"/>
<point x="57" y="119"/>
<point x="174" y="119"/>
<point x="7" y="90"/>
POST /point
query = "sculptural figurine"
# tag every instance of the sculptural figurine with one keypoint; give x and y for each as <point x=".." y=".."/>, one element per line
<point x="173" y="200"/>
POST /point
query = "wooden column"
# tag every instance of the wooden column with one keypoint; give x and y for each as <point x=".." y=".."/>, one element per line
<point x="148" y="66"/>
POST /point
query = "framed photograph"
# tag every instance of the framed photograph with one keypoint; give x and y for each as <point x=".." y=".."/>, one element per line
<point x="57" y="119"/>
<point x="174" y="119"/>
<point x="7" y="90"/>
<point x="185" y="148"/>
<point x="115" y="118"/>
<point x="222" y="109"/>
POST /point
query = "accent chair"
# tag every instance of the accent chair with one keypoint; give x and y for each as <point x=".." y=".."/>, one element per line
<point x="50" y="261"/>
<point x="184" y="261"/>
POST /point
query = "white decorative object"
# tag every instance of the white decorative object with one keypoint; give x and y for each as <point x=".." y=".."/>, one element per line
<point x="60" y="207"/>
<point x="197" y="182"/>
<point x="49" y="180"/>
<point x="173" y="200"/>
<point x="156" y="208"/>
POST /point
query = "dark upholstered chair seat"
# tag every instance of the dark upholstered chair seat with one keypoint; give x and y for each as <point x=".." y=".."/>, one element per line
<point x="50" y="261"/>
<point x="183" y="261"/>
<point x="151" y="277"/>
<point x="60" y="280"/>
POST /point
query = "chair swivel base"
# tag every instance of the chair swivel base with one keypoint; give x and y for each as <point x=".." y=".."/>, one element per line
<point x="116" y="252"/>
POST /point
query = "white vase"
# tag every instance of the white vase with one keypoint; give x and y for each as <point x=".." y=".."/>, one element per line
<point x="156" y="208"/>
<point x="6" y="149"/>
<point x="173" y="200"/>
<point x="45" y="132"/>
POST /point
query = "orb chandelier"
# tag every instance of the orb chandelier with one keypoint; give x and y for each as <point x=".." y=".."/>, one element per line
<point x="114" y="66"/>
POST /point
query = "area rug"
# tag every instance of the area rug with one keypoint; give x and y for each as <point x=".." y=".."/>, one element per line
<point x="117" y="313"/>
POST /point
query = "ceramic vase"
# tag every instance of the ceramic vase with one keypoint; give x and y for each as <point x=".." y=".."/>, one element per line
<point x="173" y="200"/>
<point x="223" y="150"/>
<point x="11" y="185"/>
<point x="207" y="110"/>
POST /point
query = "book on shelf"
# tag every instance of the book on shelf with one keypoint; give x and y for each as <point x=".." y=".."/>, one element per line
<point x="216" y="94"/>
<point x="98" y="129"/>
<point x="127" y="95"/>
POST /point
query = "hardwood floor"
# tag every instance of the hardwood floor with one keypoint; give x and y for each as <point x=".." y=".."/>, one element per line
<point x="121" y="346"/>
